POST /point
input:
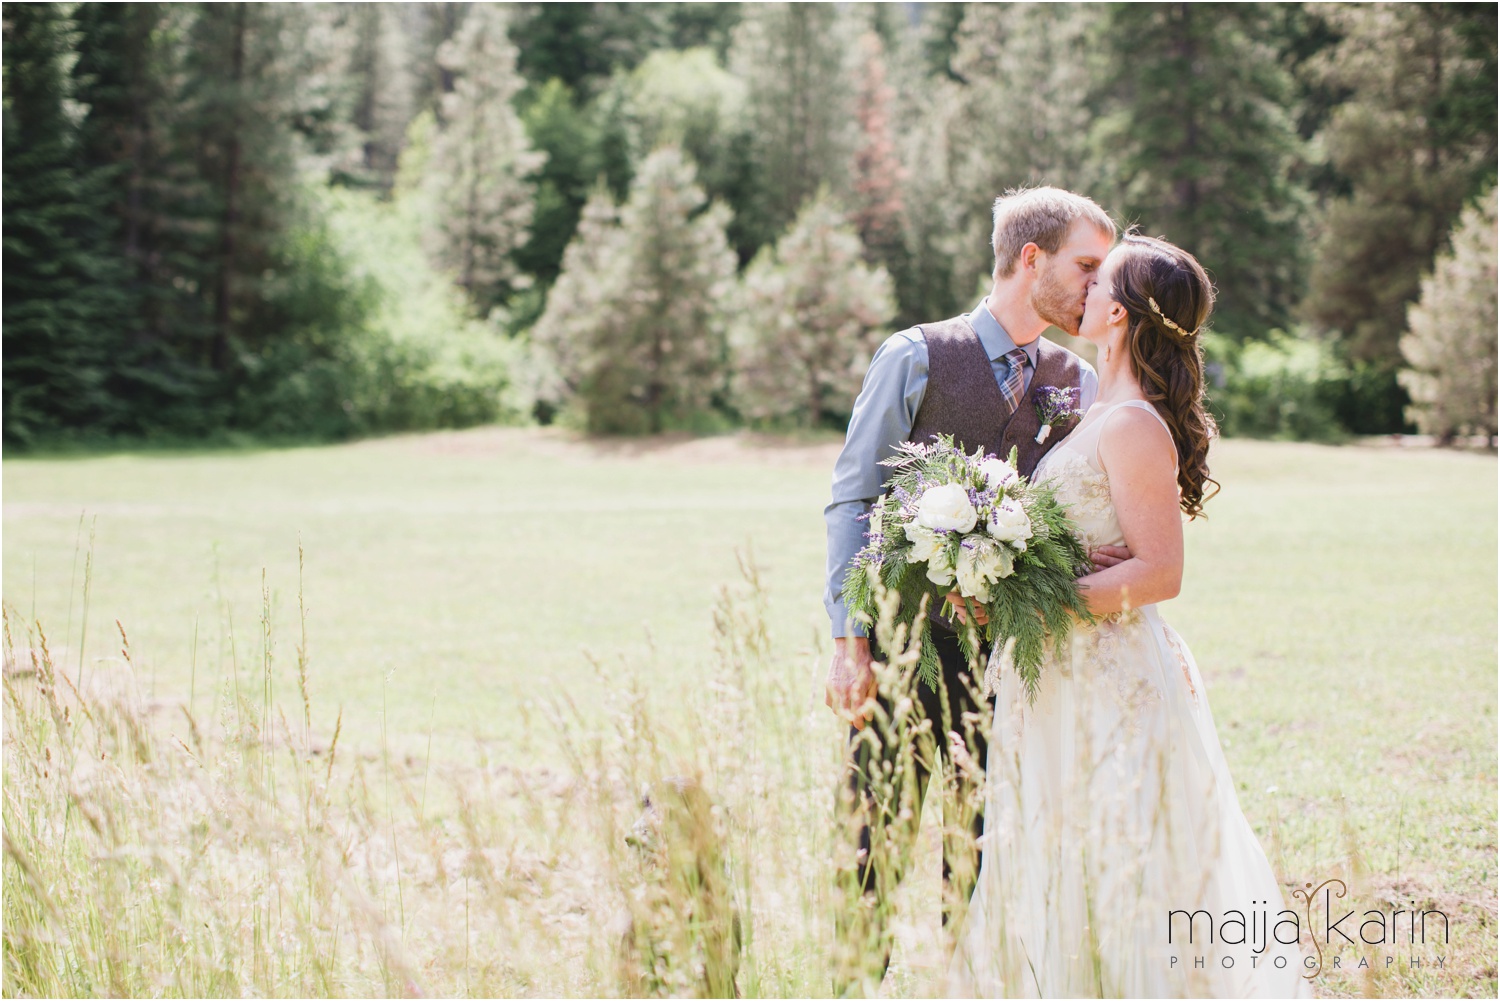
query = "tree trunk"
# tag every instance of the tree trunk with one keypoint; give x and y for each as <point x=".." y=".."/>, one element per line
<point x="1187" y="187"/>
<point x="655" y="389"/>
<point x="471" y="204"/>
<point x="231" y="200"/>
<point x="814" y="403"/>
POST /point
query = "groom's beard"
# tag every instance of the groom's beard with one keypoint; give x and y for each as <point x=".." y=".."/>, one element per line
<point x="1055" y="303"/>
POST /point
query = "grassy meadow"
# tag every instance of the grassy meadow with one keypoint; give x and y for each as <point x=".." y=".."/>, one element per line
<point x="508" y="635"/>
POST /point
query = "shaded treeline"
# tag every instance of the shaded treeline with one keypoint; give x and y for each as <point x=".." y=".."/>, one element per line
<point x="328" y="220"/>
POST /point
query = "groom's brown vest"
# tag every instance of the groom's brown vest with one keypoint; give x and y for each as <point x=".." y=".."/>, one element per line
<point x="963" y="399"/>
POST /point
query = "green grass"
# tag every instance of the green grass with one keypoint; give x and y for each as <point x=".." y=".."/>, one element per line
<point x="1340" y="603"/>
<point x="464" y="573"/>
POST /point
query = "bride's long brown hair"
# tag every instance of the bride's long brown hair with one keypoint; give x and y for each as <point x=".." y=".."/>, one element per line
<point x="1168" y="298"/>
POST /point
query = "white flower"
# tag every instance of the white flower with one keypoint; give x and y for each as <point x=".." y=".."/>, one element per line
<point x="971" y="582"/>
<point x="924" y="541"/>
<point x="940" y="567"/>
<point x="947" y="507"/>
<point x="1009" y="522"/>
<point x="998" y="473"/>
<point x="981" y="562"/>
<point x="995" y="562"/>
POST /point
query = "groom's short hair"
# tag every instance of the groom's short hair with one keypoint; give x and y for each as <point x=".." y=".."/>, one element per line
<point x="1041" y="216"/>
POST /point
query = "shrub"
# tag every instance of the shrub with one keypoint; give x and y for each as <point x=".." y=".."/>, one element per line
<point x="1282" y="387"/>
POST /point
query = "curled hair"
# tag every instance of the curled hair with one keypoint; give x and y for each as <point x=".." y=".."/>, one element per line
<point x="1168" y="298"/>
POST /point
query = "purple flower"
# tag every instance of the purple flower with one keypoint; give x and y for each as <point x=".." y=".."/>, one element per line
<point x="1054" y="405"/>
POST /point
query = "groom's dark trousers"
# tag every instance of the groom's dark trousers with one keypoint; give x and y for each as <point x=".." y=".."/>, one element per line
<point x="890" y="763"/>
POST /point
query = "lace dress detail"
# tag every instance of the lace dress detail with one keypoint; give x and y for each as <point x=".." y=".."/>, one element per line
<point x="1082" y="489"/>
<point x="1108" y="804"/>
<point x="1081" y="485"/>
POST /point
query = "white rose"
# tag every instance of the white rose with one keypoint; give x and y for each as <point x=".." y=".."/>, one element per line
<point x="994" y="562"/>
<point x="998" y="473"/>
<point x="940" y="568"/>
<point x="924" y="541"/>
<point x="947" y="507"/>
<point x="971" y="577"/>
<point x="1009" y="522"/>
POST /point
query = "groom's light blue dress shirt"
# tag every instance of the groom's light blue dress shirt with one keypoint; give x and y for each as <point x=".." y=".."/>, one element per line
<point x="883" y="415"/>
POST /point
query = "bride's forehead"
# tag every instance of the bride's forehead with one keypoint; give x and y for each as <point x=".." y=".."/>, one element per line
<point x="1112" y="259"/>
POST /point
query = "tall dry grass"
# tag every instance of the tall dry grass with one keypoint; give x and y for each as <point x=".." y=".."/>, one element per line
<point x="149" y="852"/>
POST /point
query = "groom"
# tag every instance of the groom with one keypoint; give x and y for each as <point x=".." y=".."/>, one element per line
<point x="973" y="377"/>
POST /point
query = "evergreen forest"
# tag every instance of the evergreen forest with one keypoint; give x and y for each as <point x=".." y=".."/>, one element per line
<point x="318" y="221"/>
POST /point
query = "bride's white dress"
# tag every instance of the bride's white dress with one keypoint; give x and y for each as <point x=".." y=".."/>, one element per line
<point x="1109" y="806"/>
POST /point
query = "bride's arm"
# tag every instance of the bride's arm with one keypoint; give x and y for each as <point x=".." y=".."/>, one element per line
<point x="1139" y="457"/>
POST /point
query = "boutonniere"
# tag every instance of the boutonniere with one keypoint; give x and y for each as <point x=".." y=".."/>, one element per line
<point x="1053" y="405"/>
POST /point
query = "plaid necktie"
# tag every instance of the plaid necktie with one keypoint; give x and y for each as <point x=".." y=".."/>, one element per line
<point x="1015" y="380"/>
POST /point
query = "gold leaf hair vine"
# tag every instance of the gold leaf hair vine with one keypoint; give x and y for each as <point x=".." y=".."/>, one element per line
<point x="1186" y="334"/>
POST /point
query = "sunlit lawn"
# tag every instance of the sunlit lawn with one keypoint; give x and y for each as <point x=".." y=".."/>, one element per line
<point x="1341" y="603"/>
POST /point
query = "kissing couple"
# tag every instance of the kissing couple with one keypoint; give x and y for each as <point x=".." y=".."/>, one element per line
<point x="1079" y="826"/>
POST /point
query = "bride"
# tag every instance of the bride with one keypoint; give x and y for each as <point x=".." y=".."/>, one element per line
<point x="1111" y="815"/>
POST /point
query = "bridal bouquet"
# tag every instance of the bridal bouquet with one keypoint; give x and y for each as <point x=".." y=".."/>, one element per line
<point x="949" y="519"/>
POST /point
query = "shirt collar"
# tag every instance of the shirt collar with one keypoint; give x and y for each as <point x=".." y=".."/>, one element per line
<point x="993" y="337"/>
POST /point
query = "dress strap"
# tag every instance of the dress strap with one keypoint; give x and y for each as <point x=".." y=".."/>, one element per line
<point x="1139" y="405"/>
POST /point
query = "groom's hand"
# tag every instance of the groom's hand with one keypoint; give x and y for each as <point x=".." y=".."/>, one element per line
<point x="1108" y="556"/>
<point x="851" y="680"/>
<point x="960" y="610"/>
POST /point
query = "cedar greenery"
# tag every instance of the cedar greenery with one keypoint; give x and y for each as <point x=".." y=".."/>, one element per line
<point x="1034" y="604"/>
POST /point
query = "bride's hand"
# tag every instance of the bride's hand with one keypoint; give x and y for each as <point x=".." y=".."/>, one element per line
<point x="981" y="617"/>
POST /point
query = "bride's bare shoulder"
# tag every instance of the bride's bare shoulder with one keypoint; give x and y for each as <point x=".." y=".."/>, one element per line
<point x="1135" y="443"/>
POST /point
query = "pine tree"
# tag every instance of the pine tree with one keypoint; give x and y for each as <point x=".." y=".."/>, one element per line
<point x="357" y="91"/>
<point x="636" y="320"/>
<point x="1020" y="114"/>
<point x="124" y="76"/>
<point x="800" y="73"/>
<point x="1200" y="147"/>
<point x="66" y="312"/>
<point x="1451" y="345"/>
<point x="569" y="137"/>
<point x="922" y="267"/>
<point x="428" y="27"/>
<point x="384" y="103"/>
<point x="928" y="280"/>
<point x="941" y="24"/>
<point x="683" y="98"/>
<point x="232" y="130"/>
<point x="812" y="314"/>
<point x="878" y="172"/>
<point x="585" y="45"/>
<point x="481" y="159"/>
<point x="688" y="99"/>
<point x="569" y="325"/>
<point x="1415" y="139"/>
